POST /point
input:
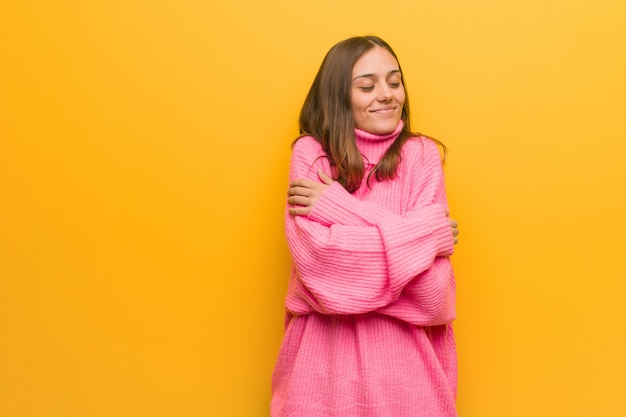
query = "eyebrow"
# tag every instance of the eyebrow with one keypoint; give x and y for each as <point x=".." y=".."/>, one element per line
<point x="371" y="75"/>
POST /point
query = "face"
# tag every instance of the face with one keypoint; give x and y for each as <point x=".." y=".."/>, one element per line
<point x="377" y="94"/>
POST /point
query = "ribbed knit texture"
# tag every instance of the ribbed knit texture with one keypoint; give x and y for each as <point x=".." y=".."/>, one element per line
<point x="371" y="296"/>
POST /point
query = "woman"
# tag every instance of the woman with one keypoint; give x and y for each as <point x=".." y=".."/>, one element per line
<point x="372" y="295"/>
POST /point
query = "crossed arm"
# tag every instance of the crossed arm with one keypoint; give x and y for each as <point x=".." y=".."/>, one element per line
<point x="304" y="193"/>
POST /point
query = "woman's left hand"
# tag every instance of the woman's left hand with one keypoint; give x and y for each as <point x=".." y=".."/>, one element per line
<point x="303" y="193"/>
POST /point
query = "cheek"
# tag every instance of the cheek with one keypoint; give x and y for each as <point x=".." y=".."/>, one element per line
<point x="359" y="109"/>
<point x="401" y="97"/>
<point x="357" y="103"/>
<point x="358" y="114"/>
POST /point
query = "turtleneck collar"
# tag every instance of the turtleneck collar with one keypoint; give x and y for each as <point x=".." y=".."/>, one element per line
<point x="373" y="146"/>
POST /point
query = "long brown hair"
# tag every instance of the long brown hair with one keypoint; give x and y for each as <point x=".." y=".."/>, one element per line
<point x="327" y="115"/>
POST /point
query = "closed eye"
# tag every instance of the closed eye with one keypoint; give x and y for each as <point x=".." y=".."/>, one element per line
<point x="368" y="88"/>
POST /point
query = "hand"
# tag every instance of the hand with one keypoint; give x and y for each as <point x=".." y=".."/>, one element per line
<point x="303" y="193"/>
<point x="455" y="232"/>
<point x="454" y="226"/>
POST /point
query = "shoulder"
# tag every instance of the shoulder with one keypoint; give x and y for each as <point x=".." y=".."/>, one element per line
<point x="306" y="156"/>
<point x="307" y="145"/>
<point x="307" y="149"/>
<point x="421" y="149"/>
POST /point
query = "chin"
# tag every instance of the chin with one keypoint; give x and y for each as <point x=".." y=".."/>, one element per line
<point x="383" y="129"/>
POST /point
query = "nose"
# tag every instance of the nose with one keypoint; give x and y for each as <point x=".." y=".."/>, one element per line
<point x="384" y="93"/>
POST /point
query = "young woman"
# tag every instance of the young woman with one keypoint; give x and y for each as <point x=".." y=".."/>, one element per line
<point x="371" y="297"/>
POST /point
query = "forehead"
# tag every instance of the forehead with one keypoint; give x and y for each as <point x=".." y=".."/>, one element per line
<point x="377" y="61"/>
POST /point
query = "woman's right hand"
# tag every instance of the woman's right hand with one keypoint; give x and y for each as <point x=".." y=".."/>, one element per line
<point x="304" y="193"/>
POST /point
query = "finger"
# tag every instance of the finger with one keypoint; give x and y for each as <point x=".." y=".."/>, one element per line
<point x="298" y="200"/>
<point x="306" y="192"/>
<point x="303" y="182"/>
<point x="324" y="177"/>
<point x="453" y="223"/>
<point x="299" y="210"/>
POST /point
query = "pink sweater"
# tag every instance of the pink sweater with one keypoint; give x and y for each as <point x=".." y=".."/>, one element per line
<point x="372" y="295"/>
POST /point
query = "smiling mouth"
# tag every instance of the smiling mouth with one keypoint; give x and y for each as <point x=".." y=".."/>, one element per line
<point x="385" y="110"/>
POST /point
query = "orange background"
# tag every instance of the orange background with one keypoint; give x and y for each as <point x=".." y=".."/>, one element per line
<point x="143" y="160"/>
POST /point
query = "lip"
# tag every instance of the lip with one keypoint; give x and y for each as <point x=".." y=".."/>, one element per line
<point x="384" y="110"/>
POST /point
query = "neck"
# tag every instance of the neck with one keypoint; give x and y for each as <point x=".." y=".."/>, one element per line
<point x="373" y="146"/>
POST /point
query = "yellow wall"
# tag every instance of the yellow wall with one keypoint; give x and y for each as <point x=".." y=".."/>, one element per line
<point x="143" y="157"/>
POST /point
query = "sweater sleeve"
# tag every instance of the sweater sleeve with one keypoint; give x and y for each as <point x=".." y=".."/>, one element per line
<point x="352" y="256"/>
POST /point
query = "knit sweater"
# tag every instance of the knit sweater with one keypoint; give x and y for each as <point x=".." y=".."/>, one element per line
<point x="371" y="295"/>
